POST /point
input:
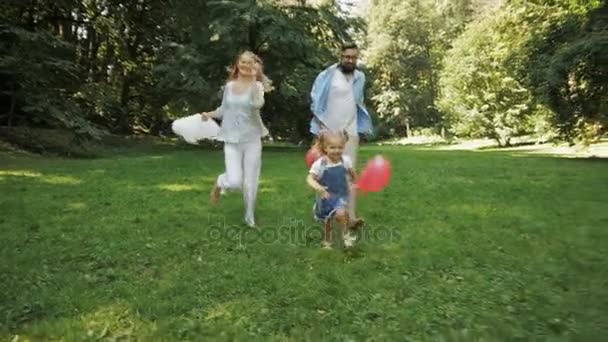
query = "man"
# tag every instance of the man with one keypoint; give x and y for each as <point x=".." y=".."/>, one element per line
<point x="337" y="105"/>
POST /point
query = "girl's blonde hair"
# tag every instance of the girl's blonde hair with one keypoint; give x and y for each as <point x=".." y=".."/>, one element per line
<point x="324" y="137"/>
<point x="260" y="77"/>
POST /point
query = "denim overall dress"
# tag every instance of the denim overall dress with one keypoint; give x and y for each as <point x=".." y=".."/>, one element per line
<point x="334" y="179"/>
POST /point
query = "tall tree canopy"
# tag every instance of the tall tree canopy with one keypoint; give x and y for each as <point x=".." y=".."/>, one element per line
<point x="472" y="68"/>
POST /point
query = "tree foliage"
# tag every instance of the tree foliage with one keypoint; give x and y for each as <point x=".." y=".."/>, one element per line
<point x="568" y="70"/>
<point x="532" y="64"/>
<point x="407" y="42"/>
<point x="480" y="95"/>
<point x="480" y="68"/>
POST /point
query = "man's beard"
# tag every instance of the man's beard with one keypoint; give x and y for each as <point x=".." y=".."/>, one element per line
<point x="346" y="68"/>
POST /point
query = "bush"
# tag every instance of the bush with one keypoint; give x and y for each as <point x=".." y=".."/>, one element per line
<point x="49" y="141"/>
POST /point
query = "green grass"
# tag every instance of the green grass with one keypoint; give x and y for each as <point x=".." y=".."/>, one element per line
<point x="461" y="246"/>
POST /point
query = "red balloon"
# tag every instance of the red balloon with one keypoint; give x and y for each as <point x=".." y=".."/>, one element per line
<point x="376" y="176"/>
<point x="312" y="155"/>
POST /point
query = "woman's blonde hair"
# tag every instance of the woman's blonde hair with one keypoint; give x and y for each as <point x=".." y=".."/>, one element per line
<point x="260" y="77"/>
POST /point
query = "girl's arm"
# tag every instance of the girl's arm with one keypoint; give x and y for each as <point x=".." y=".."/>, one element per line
<point x="313" y="183"/>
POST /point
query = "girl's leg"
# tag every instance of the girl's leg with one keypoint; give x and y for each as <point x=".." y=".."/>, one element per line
<point x="233" y="177"/>
<point x="252" y="163"/>
<point x="327" y="239"/>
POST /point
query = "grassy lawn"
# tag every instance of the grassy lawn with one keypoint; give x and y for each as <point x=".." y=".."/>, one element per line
<point x="461" y="246"/>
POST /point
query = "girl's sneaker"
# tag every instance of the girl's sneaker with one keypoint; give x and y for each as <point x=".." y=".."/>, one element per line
<point x="349" y="240"/>
<point x="357" y="224"/>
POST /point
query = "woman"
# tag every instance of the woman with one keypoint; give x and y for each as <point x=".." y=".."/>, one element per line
<point x="242" y="130"/>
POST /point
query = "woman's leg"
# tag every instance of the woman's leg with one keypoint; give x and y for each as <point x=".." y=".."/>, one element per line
<point x="232" y="178"/>
<point x="252" y="163"/>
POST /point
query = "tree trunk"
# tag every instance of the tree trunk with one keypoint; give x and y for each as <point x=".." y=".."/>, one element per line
<point x="251" y="32"/>
<point x="11" y="112"/>
<point x="93" y="50"/>
<point x="108" y="60"/>
<point x="83" y="47"/>
<point x="56" y="23"/>
<point x="123" y="120"/>
<point x="431" y="76"/>
<point x="31" y="22"/>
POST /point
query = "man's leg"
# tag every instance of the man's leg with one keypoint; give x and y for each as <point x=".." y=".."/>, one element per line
<point x="351" y="149"/>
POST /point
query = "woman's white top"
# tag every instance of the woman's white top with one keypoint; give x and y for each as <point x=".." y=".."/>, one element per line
<point x="240" y="114"/>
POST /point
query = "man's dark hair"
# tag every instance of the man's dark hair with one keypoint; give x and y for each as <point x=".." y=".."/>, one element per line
<point x="347" y="46"/>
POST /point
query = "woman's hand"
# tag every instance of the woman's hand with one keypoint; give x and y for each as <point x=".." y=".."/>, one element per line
<point x="209" y="115"/>
<point x="255" y="70"/>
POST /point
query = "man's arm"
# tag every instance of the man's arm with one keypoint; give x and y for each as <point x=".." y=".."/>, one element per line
<point x="315" y="92"/>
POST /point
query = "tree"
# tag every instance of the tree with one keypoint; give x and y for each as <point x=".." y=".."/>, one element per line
<point x="568" y="71"/>
<point x="510" y="70"/>
<point x="37" y="76"/>
<point x="407" y="42"/>
<point x="480" y="95"/>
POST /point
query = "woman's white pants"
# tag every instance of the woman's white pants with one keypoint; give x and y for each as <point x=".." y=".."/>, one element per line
<point x="243" y="164"/>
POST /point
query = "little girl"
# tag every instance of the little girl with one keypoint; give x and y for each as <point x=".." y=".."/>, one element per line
<point x="331" y="177"/>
